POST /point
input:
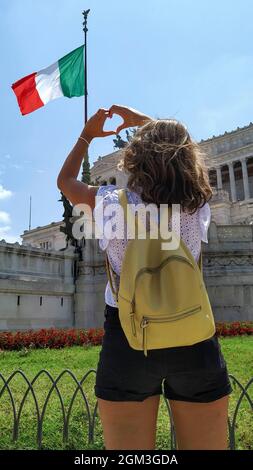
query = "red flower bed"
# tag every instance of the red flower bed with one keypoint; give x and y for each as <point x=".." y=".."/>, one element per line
<point x="60" y="338"/>
<point x="50" y="338"/>
<point x="234" y="328"/>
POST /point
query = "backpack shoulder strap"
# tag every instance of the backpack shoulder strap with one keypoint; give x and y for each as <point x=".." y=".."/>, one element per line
<point x="123" y="200"/>
<point x="110" y="275"/>
<point x="200" y="261"/>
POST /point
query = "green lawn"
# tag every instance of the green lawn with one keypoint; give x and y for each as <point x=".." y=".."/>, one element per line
<point x="237" y="351"/>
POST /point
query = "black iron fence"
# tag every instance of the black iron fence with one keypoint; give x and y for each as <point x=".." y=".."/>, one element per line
<point x="91" y="412"/>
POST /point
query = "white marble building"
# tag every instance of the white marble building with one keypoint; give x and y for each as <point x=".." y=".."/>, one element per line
<point x="230" y="162"/>
<point x="229" y="158"/>
<point x="47" y="237"/>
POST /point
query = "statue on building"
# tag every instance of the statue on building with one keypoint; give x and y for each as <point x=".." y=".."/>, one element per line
<point x="119" y="143"/>
<point x="68" y="223"/>
<point x="67" y="214"/>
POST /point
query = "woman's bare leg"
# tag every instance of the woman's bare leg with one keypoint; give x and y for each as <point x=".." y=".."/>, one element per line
<point x="201" y="426"/>
<point x="129" y="424"/>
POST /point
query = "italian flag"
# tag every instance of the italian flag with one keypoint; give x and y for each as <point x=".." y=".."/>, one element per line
<point x="63" y="78"/>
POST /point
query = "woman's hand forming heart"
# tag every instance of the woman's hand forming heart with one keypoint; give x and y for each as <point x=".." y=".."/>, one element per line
<point x="131" y="117"/>
<point x="94" y="125"/>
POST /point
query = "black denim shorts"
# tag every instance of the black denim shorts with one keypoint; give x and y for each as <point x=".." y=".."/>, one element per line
<point x="195" y="373"/>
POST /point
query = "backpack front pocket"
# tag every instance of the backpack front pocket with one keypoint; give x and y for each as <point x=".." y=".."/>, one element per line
<point x="146" y="320"/>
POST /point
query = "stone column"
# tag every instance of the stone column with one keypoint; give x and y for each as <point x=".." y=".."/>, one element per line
<point x="219" y="177"/>
<point x="245" y="178"/>
<point x="90" y="287"/>
<point x="232" y="181"/>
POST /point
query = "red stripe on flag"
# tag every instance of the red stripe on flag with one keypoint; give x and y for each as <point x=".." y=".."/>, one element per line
<point x="27" y="95"/>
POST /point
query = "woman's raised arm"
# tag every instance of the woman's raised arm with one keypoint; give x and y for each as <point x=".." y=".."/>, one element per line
<point x="76" y="191"/>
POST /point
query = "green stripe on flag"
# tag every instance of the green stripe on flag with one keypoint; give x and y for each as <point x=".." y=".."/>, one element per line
<point x="71" y="68"/>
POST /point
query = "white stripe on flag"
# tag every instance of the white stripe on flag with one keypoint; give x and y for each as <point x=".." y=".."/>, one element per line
<point x="48" y="83"/>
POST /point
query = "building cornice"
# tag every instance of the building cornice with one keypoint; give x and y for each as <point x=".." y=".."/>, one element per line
<point x="43" y="228"/>
<point x="226" y="134"/>
<point x="227" y="157"/>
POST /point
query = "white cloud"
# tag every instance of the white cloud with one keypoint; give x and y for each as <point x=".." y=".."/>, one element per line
<point x="6" y="162"/>
<point x="13" y="239"/>
<point x="4" y="229"/>
<point x="16" y="166"/>
<point x="4" y="193"/>
<point x="4" y="217"/>
<point x="9" y="238"/>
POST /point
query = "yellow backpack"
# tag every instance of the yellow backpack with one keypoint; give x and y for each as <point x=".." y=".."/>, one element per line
<point x="162" y="299"/>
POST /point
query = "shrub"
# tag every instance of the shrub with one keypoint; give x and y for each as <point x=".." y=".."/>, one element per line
<point x="55" y="338"/>
<point x="50" y="338"/>
<point x="234" y="328"/>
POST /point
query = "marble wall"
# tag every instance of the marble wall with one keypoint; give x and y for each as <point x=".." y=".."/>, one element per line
<point x="41" y="288"/>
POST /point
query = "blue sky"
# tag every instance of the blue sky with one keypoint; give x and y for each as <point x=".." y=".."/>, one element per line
<point x="191" y="60"/>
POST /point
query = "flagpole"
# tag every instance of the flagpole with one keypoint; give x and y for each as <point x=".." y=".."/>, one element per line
<point x="85" y="30"/>
<point x="30" y="213"/>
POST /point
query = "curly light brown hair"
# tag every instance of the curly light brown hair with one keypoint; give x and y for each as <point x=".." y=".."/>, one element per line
<point x="164" y="165"/>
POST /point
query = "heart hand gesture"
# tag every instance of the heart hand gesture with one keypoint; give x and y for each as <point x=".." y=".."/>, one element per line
<point x="94" y="125"/>
<point x="131" y="117"/>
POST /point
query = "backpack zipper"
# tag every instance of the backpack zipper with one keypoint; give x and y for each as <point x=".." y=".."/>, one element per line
<point x="133" y="323"/>
<point x="168" y="318"/>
